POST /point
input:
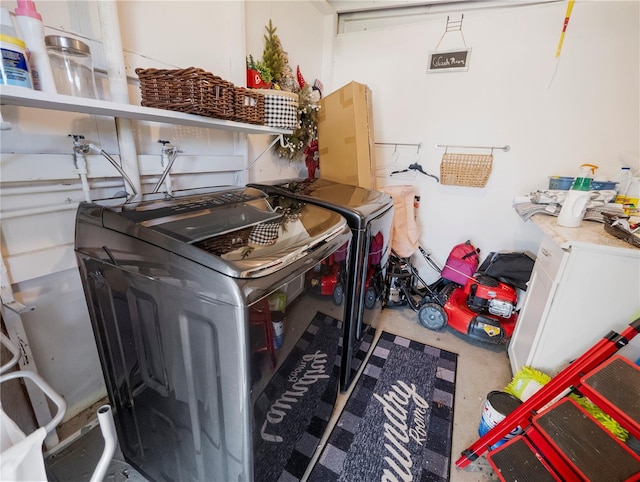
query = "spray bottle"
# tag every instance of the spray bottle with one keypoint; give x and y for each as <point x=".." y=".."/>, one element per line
<point x="575" y="204"/>
<point x="30" y="24"/>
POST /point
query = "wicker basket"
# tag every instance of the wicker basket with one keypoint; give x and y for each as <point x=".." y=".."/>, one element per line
<point x="191" y="90"/>
<point x="248" y="106"/>
<point x="219" y="245"/>
<point x="280" y="108"/>
<point x="465" y="169"/>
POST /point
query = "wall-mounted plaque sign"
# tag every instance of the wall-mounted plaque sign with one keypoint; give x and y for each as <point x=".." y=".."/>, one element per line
<point x="449" y="61"/>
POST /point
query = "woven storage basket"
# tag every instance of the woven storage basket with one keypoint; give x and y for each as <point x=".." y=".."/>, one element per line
<point x="225" y="243"/>
<point x="191" y="90"/>
<point x="280" y="108"/>
<point x="465" y="169"/>
<point x="248" y="106"/>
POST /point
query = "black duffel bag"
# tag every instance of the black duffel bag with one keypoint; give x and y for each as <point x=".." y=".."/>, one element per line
<point x="512" y="268"/>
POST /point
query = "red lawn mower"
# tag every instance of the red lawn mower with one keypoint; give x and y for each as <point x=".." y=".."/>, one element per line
<point x="480" y="306"/>
<point x="329" y="277"/>
<point x="484" y="309"/>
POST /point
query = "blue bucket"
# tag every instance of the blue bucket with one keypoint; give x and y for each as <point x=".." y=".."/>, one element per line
<point x="497" y="406"/>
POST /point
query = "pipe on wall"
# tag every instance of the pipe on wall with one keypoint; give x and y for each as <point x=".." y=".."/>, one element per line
<point x="119" y="89"/>
<point x="38" y="210"/>
<point x="46" y="189"/>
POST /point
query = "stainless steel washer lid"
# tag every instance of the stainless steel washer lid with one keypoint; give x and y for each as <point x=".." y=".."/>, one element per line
<point x="356" y="204"/>
<point x="239" y="232"/>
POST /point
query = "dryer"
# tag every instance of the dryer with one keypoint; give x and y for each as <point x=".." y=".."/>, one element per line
<point x="369" y="215"/>
<point x="218" y="360"/>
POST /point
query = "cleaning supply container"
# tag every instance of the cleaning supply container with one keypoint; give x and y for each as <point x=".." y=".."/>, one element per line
<point x="14" y="69"/>
<point x="560" y="183"/>
<point x="32" y="30"/>
<point x="628" y="191"/>
<point x="632" y="196"/>
<point x="575" y="204"/>
<point x="72" y="66"/>
<point x="497" y="406"/>
<point x="623" y="178"/>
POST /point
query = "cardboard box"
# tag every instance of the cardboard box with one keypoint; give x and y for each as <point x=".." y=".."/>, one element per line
<point x="345" y="136"/>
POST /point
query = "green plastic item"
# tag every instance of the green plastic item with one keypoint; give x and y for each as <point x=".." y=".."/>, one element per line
<point x="583" y="183"/>
<point x="526" y="382"/>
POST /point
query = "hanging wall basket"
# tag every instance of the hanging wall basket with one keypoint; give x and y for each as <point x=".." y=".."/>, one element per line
<point x="471" y="170"/>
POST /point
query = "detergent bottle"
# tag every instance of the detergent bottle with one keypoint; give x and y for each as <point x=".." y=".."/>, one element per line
<point x="632" y="197"/>
<point x="623" y="179"/>
<point x="578" y="196"/>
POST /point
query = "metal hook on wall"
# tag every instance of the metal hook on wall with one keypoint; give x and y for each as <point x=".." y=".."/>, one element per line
<point x="396" y="144"/>
<point x="499" y="148"/>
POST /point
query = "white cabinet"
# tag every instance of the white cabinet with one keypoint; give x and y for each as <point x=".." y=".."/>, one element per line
<point x="584" y="284"/>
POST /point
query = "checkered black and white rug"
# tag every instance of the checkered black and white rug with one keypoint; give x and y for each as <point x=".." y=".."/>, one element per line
<point x="398" y="421"/>
<point x="283" y="450"/>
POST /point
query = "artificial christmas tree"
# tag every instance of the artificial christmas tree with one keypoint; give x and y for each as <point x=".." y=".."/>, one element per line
<point x="273" y="56"/>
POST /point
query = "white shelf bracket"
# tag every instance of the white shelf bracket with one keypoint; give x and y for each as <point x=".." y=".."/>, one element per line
<point x="6" y="293"/>
<point x="4" y="126"/>
<point x="279" y="137"/>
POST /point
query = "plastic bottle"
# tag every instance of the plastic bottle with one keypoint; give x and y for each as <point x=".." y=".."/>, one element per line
<point x="577" y="198"/>
<point x="623" y="178"/>
<point x="14" y="69"/>
<point x="632" y="197"/>
<point x="30" y="23"/>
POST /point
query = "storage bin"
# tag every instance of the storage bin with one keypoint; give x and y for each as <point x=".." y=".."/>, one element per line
<point x="603" y="185"/>
<point x="248" y="106"/>
<point x="72" y="66"/>
<point x="280" y="108"/>
<point x="560" y="183"/>
<point x="191" y="90"/>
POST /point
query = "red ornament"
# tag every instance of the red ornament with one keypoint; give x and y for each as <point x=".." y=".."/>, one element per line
<point x="301" y="80"/>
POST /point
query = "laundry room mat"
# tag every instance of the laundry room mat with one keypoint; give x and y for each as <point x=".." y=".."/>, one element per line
<point x="398" y="421"/>
<point x="293" y="410"/>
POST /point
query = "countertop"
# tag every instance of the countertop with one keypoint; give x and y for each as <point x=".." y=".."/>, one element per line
<point x="589" y="233"/>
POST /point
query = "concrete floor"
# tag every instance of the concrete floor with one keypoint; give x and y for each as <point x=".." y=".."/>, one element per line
<point x="481" y="369"/>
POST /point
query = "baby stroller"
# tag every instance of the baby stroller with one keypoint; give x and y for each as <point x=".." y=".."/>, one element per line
<point x="404" y="285"/>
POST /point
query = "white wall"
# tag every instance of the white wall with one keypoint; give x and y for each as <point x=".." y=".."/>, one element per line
<point x="554" y="120"/>
<point x="301" y="29"/>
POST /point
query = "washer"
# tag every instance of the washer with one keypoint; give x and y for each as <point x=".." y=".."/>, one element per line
<point x="217" y="357"/>
<point x="370" y="217"/>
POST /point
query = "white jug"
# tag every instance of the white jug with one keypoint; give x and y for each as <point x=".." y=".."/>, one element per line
<point x="573" y="208"/>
